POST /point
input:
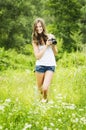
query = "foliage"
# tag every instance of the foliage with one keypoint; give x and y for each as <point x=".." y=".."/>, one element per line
<point x="20" y="108"/>
<point x="65" y="17"/>
<point x="83" y="20"/>
<point x="25" y="58"/>
<point x="14" y="60"/>
<point x="72" y="59"/>
<point x="16" y="19"/>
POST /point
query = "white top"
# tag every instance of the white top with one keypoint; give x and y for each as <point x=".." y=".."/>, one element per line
<point x="48" y="58"/>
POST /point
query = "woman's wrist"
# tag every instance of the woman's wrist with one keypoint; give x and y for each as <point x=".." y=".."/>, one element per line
<point x="53" y="46"/>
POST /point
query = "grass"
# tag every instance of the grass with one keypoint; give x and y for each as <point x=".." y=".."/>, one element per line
<point x="20" y="108"/>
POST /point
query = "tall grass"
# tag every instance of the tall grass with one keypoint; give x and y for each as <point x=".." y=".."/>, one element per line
<point x="21" y="109"/>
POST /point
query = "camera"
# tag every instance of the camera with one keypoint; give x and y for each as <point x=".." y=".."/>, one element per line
<point x="53" y="40"/>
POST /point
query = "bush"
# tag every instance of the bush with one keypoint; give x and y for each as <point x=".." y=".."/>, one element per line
<point x="72" y="59"/>
<point x="15" y="60"/>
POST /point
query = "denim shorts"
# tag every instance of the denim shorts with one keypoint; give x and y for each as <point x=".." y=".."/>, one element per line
<point x="43" y="69"/>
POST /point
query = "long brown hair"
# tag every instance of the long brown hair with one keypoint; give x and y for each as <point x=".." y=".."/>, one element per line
<point x="37" y="37"/>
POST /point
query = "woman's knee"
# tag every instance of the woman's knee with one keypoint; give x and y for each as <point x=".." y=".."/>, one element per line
<point x="45" y="89"/>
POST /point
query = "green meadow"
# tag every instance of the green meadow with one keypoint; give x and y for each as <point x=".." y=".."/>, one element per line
<point x="20" y="107"/>
<point x="20" y="104"/>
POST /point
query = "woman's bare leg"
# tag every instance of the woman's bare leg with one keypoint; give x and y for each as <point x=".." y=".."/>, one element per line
<point x="46" y="83"/>
<point x="40" y="79"/>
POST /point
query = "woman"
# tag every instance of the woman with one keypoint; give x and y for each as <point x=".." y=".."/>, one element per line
<point x="44" y="51"/>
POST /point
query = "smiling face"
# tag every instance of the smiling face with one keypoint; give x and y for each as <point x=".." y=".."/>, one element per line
<point x="39" y="31"/>
<point x="39" y="28"/>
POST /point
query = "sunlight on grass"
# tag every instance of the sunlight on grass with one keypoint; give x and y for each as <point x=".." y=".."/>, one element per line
<point x="19" y="85"/>
<point x="20" y="104"/>
<point x="71" y="83"/>
<point x="21" y="109"/>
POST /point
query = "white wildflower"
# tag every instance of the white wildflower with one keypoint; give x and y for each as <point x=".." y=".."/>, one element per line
<point x="1" y="127"/>
<point x="37" y="123"/>
<point x="76" y="120"/>
<point x="50" y="102"/>
<point x="55" y="90"/>
<point x="83" y="120"/>
<point x="81" y="109"/>
<point x="51" y="124"/>
<point x="70" y="106"/>
<point x="2" y="108"/>
<point x="73" y="115"/>
<point x="59" y="95"/>
<point x="50" y="129"/>
<point x="45" y="128"/>
<point x="27" y="126"/>
<point x="57" y="129"/>
<point x="17" y="100"/>
<point x="8" y="100"/>
<point x="59" y="120"/>
<point x="64" y="104"/>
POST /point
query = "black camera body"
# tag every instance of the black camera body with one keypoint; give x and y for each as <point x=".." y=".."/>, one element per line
<point x="53" y="40"/>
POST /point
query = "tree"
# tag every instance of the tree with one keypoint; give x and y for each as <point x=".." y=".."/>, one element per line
<point x="83" y="20"/>
<point x="16" y="17"/>
<point x="65" y="16"/>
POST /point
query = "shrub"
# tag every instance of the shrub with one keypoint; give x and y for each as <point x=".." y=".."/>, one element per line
<point x="72" y="59"/>
<point x="15" y="60"/>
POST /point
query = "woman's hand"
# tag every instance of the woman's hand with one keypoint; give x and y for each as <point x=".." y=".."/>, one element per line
<point x="48" y="42"/>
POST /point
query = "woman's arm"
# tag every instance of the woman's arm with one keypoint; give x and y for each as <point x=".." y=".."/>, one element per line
<point x="55" y="50"/>
<point x="37" y="52"/>
<point x="54" y="47"/>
